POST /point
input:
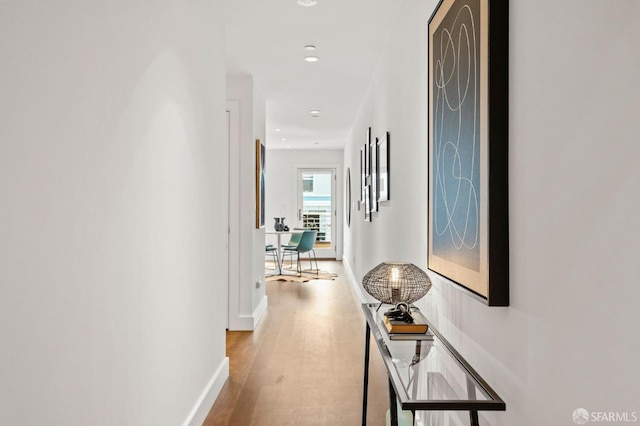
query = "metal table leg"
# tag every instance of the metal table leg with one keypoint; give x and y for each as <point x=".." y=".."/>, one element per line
<point x="473" y="414"/>
<point x="367" y="341"/>
<point x="393" y="405"/>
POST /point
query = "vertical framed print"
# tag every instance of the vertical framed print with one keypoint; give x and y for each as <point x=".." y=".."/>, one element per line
<point x="468" y="232"/>
<point x="383" y="168"/>
<point x="373" y="148"/>
<point x="363" y="175"/>
<point x="260" y="184"/>
<point x="367" y="158"/>
<point x="365" y="165"/>
<point x="367" y="203"/>
<point x="347" y="195"/>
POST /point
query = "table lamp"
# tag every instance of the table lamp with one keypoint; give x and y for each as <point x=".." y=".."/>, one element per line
<point x="396" y="282"/>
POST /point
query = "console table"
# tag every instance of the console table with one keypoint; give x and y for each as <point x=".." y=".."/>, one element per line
<point x="425" y="372"/>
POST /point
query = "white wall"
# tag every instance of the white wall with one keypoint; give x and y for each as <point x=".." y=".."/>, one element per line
<point x="112" y="168"/>
<point x="247" y="308"/>
<point x="281" y="179"/>
<point x="568" y="338"/>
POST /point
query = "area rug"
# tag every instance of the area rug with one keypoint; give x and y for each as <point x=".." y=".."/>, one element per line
<point x="306" y="276"/>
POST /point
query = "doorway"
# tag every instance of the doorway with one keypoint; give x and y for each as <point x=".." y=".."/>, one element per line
<point x="316" y="189"/>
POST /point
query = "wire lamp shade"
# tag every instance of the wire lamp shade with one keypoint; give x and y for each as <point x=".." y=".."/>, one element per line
<point x="395" y="282"/>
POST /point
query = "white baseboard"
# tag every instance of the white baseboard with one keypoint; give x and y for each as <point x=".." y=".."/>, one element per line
<point x="203" y="405"/>
<point x="357" y="290"/>
<point x="249" y="322"/>
<point x="260" y="310"/>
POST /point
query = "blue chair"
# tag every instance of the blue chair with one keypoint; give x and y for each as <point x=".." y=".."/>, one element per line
<point x="291" y="245"/>
<point x="272" y="250"/>
<point x="307" y="241"/>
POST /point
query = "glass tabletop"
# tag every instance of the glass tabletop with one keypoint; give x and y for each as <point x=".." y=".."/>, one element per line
<point x="427" y="373"/>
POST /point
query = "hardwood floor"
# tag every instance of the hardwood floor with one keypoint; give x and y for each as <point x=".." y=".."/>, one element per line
<point x="303" y="365"/>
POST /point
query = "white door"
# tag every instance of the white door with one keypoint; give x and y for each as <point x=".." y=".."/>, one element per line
<point x="317" y="208"/>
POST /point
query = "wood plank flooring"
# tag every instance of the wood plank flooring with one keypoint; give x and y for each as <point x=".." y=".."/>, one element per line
<point x="303" y="365"/>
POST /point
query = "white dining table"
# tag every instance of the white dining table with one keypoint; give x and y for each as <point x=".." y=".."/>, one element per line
<point x="279" y="250"/>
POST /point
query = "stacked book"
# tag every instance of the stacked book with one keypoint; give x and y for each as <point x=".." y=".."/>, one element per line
<point x="418" y="326"/>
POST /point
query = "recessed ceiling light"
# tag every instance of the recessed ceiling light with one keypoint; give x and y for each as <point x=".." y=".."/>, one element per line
<point x="307" y="2"/>
<point x="311" y="58"/>
<point x="314" y="112"/>
<point x="283" y="139"/>
<point x="309" y="47"/>
<point x="277" y="130"/>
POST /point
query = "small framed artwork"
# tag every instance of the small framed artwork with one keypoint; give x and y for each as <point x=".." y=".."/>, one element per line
<point x="367" y="158"/>
<point x="347" y="194"/>
<point x="363" y="173"/>
<point x="366" y="153"/>
<point x="260" y="184"/>
<point x="383" y="168"/>
<point x="367" y="203"/>
<point x="468" y="228"/>
<point x="374" y="175"/>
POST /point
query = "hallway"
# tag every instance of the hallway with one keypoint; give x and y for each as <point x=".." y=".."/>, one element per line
<point x="303" y="365"/>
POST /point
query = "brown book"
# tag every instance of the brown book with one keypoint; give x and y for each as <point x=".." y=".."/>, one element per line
<point x="418" y="326"/>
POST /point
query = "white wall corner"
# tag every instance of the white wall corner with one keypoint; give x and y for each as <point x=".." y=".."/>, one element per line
<point x="208" y="397"/>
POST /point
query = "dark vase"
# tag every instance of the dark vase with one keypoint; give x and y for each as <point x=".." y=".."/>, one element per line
<point x="279" y="224"/>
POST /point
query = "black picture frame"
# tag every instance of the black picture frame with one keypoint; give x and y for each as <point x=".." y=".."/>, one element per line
<point x="260" y="184"/>
<point x="367" y="157"/>
<point x="347" y="201"/>
<point x="366" y="168"/>
<point x="383" y="169"/>
<point x="367" y="203"/>
<point x="373" y="149"/>
<point x="363" y="176"/>
<point x="468" y="232"/>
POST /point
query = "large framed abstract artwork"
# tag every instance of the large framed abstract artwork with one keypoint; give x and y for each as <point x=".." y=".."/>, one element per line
<point x="260" y="184"/>
<point x="468" y="232"/>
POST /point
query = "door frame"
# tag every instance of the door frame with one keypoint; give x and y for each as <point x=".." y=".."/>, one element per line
<point x="233" y="237"/>
<point x="336" y="224"/>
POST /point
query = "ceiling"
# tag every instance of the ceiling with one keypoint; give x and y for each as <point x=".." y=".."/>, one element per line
<point x="266" y="39"/>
